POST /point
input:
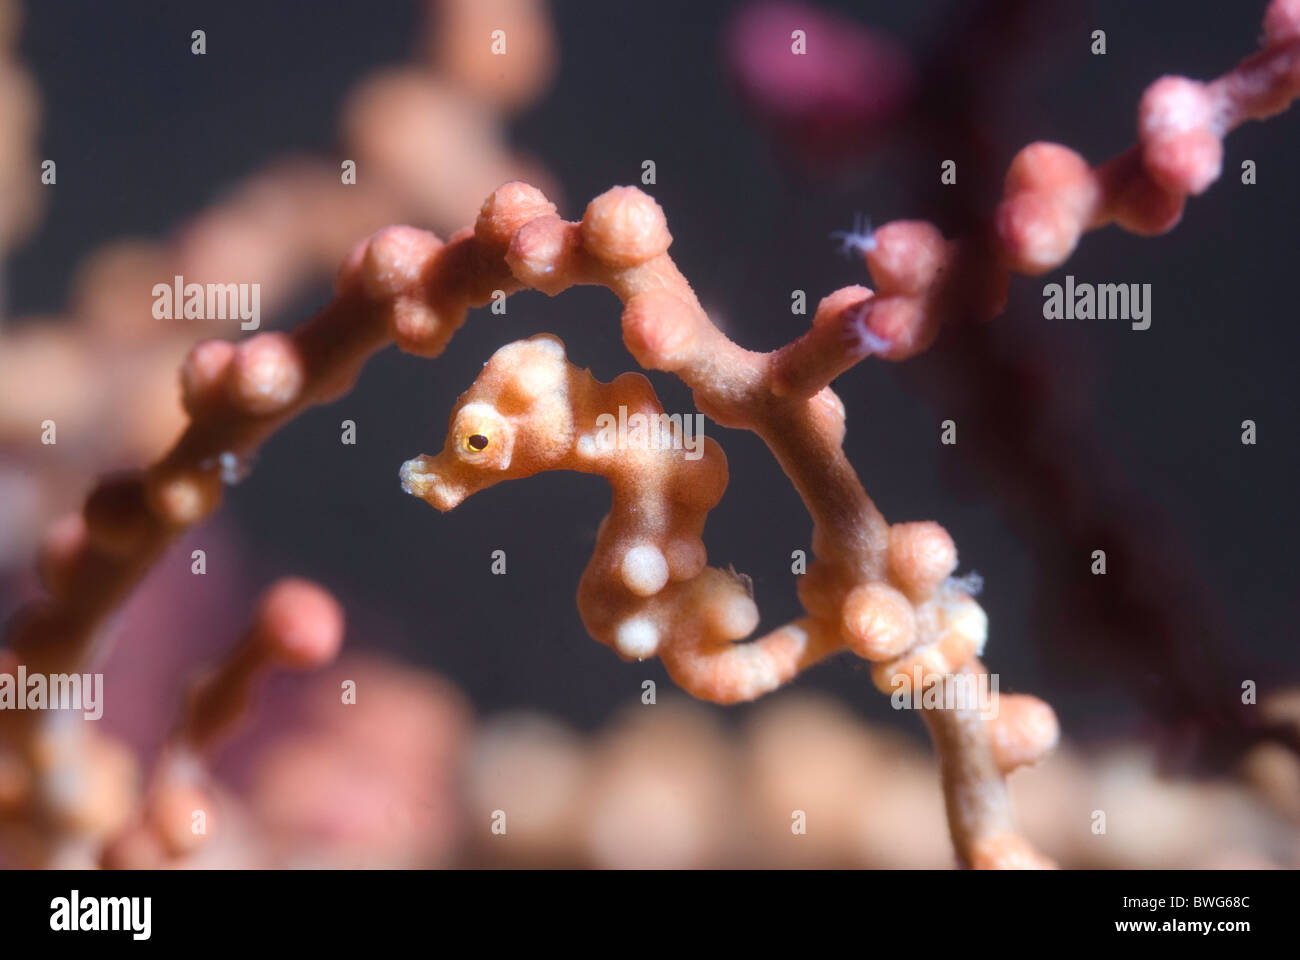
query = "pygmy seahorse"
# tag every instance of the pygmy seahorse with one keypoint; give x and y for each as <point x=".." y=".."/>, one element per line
<point x="648" y="590"/>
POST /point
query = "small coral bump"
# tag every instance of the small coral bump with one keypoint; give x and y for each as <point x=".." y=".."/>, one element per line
<point x="1182" y="148"/>
<point x="543" y="252"/>
<point x="1037" y="231"/>
<point x="926" y="665"/>
<point x="907" y="257"/>
<point x="921" y="556"/>
<point x="732" y="614"/>
<point x="906" y="326"/>
<point x="1174" y="105"/>
<point x="637" y="637"/>
<point x="203" y="374"/>
<point x="266" y="374"/>
<point x="958" y="647"/>
<point x="878" y="622"/>
<point x="953" y="629"/>
<point x="625" y="227"/>
<point x="1187" y="163"/>
<point x="395" y="260"/>
<point x="181" y="498"/>
<point x="299" y="624"/>
<point x="537" y="374"/>
<point x="1282" y="22"/>
<point x="419" y="330"/>
<point x="686" y="558"/>
<point x="659" y="330"/>
<point x="644" y="570"/>
<point x="966" y="628"/>
<point x="1050" y="197"/>
<point x="833" y="307"/>
<point x="856" y="242"/>
<point x="701" y="483"/>
<point x="828" y="409"/>
<point x="862" y="340"/>
<point x="507" y="210"/>
<point x="1043" y="167"/>
<point x="1024" y="731"/>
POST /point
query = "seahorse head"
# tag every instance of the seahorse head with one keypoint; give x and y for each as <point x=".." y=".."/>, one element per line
<point x="515" y="420"/>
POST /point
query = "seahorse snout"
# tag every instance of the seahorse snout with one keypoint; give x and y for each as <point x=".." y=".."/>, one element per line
<point x="421" y="478"/>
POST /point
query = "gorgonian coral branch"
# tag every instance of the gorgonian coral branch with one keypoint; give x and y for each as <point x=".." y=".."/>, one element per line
<point x="297" y="625"/>
<point x="884" y="592"/>
<point x="405" y="285"/>
<point x="1051" y="196"/>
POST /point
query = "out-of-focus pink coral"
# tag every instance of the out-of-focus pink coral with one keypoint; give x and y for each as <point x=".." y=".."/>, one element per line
<point x="371" y="781"/>
<point x="826" y="103"/>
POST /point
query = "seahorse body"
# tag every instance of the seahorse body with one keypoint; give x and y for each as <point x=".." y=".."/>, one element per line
<point x="648" y="590"/>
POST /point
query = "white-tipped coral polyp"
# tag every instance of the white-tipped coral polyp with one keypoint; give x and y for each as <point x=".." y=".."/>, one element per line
<point x="860" y="240"/>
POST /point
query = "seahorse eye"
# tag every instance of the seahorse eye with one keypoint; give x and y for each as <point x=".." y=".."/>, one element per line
<point x="476" y="442"/>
